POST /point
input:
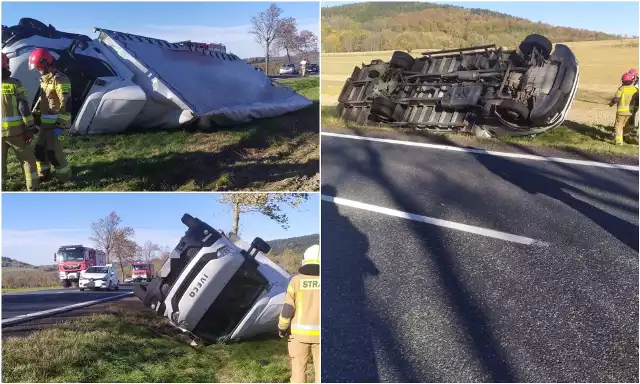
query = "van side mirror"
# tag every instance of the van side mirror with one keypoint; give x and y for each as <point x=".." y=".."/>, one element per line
<point x="260" y="245"/>
<point x="54" y="257"/>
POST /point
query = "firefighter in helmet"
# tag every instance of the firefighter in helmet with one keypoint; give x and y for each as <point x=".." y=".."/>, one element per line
<point x="626" y="99"/>
<point x="300" y="316"/>
<point x="17" y="127"/>
<point x="54" y="107"/>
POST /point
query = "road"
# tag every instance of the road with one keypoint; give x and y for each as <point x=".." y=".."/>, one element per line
<point x="540" y="285"/>
<point x="22" y="303"/>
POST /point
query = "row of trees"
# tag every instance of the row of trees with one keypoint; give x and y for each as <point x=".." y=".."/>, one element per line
<point x="375" y="27"/>
<point x="117" y="241"/>
<point x="277" y="34"/>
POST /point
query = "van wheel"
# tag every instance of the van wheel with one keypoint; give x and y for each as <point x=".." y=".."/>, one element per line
<point x="402" y="60"/>
<point x="541" y="43"/>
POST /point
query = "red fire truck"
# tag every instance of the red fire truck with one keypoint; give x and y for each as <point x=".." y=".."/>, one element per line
<point x="141" y="271"/>
<point x="73" y="259"/>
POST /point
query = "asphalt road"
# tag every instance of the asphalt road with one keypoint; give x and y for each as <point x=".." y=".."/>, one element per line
<point x="407" y="301"/>
<point x="22" y="303"/>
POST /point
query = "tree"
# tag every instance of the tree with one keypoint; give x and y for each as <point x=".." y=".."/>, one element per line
<point x="307" y="41"/>
<point x="287" y="37"/>
<point x="148" y="249"/>
<point x="124" y="247"/>
<point x="267" y="204"/>
<point x="265" y="28"/>
<point x="103" y="233"/>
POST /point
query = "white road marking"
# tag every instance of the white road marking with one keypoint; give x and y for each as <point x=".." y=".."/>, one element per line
<point x="433" y="221"/>
<point x="485" y="152"/>
<point x="49" y="312"/>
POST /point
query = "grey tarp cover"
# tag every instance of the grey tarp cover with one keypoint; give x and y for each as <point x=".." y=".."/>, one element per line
<point x="210" y="85"/>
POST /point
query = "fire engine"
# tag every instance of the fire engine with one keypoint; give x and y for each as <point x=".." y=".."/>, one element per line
<point x="141" y="271"/>
<point x="73" y="259"/>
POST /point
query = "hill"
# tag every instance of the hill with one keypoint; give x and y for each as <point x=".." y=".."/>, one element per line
<point x="383" y="26"/>
<point x="294" y="244"/>
<point x="8" y="262"/>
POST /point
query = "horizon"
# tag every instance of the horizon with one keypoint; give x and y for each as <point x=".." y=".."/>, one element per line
<point x="154" y="218"/>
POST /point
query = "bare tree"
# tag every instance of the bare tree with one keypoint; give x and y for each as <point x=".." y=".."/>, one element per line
<point x="287" y="37"/>
<point x="265" y="28"/>
<point x="124" y="247"/>
<point x="103" y="232"/>
<point x="307" y="41"/>
<point x="148" y="249"/>
<point x="268" y="204"/>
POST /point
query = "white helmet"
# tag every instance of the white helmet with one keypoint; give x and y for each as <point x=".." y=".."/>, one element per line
<point x="311" y="261"/>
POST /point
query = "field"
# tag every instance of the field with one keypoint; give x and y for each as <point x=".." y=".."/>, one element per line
<point x="601" y="66"/>
<point x="126" y="343"/>
<point x="272" y="154"/>
<point x="27" y="279"/>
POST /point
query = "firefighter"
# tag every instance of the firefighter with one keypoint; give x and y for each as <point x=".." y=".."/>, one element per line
<point x="626" y="99"/>
<point x="54" y="107"/>
<point x="300" y="316"/>
<point x="303" y="67"/>
<point x="17" y="127"/>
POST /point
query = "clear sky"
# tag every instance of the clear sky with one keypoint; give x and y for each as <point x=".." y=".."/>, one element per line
<point x="35" y="225"/>
<point x="218" y="22"/>
<point x="605" y="16"/>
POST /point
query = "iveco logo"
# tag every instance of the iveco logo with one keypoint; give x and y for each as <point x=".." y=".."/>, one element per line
<point x="198" y="285"/>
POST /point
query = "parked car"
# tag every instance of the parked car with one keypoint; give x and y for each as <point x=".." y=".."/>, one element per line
<point x="313" y="69"/>
<point x="99" y="277"/>
<point x="485" y="89"/>
<point x="289" y="69"/>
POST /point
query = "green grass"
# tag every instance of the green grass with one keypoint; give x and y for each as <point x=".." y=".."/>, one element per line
<point x="124" y="345"/>
<point x="308" y="87"/>
<point x="269" y="154"/>
<point x="591" y="138"/>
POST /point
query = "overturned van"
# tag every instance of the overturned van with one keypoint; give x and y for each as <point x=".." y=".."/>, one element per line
<point x="483" y="89"/>
<point x="121" y="81"/>
<point x="217" y="288"/>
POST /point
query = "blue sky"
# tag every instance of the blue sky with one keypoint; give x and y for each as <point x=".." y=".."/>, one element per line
<point x="227" y="23"/>
<point x="610" y="16"/>
<point x="35" y="225"/>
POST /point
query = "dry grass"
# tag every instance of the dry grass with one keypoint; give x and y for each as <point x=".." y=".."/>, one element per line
<point x="601" y="65"/>
<point x="21" y="278"/>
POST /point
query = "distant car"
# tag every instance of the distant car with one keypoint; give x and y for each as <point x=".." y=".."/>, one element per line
<point x="99" y="277"/>
<point x="313" y="68"/>
<point x="128" y="280"/>
<point x="288" y="69"/>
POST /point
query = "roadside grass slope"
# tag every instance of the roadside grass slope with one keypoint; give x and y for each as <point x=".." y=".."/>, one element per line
<point x="589" y="124"/>
<point x="130" y="344"/>
<point x="271" y="154"/>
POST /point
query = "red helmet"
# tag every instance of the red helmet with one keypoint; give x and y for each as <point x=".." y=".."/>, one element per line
<point x="40" y="58"/>
<point x="5" y="61"/>
<point x="634" y="72"/>
<point x="627" y="78"/>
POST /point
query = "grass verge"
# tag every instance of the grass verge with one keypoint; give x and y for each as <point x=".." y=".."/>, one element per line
<point x="28" y="289"/>
<point x="572" y="135"/>
<point x="270" y="154"/>
<point x="131" y="345"/>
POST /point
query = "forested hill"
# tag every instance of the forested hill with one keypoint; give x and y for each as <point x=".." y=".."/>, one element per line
<point x="389" y="25"/>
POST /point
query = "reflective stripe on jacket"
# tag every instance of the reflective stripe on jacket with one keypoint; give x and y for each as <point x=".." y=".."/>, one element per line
<point x="55" y="102"/>
<point x="625" y="95"/>
<point x="13" y="122"/>
<point x="301" y="309"/>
